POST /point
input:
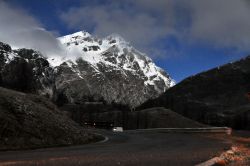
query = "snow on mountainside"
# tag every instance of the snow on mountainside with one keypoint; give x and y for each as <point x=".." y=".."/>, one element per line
<point x="91" y="69"/>
<point x="108" y="69"/>
<point x="91" y="49"/>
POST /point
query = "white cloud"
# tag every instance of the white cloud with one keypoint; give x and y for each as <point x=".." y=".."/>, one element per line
<point x="220" y="23"/>
<point x="19" y="29"/>
<point x="225" y="23"/>
<point x="139" y="22"/>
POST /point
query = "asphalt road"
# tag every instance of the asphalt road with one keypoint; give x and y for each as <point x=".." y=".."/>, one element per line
<point x="128" y="148"/>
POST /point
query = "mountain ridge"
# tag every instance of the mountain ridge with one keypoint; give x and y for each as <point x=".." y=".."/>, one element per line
<point x="91" y="49"/>
<point x="91" y="69"/>
<point x="218" y="97"/>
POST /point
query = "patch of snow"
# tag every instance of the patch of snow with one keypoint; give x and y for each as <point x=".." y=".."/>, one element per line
<point x="55" y="60"/>
<point x="10" y="56"/>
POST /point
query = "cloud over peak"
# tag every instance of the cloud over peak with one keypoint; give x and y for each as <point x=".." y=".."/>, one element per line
<point x="20" y="29"/>
<point x="137" y="21"/>
<point x="153" y="26"/>
<point x="220" y="23"/>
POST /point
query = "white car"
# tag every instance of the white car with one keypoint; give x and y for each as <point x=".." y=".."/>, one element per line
<point x="117" y="129"/>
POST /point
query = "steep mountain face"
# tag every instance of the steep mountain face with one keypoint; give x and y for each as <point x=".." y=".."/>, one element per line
<point x="25" y="70"/>
<point x="220" y="96"/>
<point x="106" y="69"/>
<point x="92" y="69"/>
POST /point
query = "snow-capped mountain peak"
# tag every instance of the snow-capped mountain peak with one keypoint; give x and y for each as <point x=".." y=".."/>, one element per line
<point x="74" y="37"/>
<point x="106" y="69"/>
<point x="114" y="60"/>
<point x="116" y="39"/>
<point x="113" y="51"/>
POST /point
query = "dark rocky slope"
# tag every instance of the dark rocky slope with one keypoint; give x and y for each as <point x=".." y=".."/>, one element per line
<point x="25" y="70"/>
<point x="220" y="96"/>
<point x="30" y="121"/>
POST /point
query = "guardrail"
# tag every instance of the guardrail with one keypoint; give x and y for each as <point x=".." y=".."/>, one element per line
<point x="225" y="130"/>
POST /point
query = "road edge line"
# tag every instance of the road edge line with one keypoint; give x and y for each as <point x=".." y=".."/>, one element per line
<point x="102" y="141"/>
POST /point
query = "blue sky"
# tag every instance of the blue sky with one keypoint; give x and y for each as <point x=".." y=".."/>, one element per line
<point x="183" y="37"/>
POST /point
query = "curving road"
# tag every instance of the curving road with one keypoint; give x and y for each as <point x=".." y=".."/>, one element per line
<point x="128" y="148"/>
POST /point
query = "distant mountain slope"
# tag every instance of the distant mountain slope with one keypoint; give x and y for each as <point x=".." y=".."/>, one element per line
<point x="30" y="121"/>
<point x="91" y="69"/>
<point x="220" y="96"/>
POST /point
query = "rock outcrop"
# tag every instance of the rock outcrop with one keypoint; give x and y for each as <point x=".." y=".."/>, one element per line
<point x="25" y="70"/>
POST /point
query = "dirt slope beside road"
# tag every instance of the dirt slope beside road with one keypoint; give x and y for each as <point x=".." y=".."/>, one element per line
<point x="30" y="121"/>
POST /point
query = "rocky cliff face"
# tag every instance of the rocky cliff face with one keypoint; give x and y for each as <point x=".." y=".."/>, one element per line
<point x="25" y="70"/>
<point x="218" y="97"/>
<point x="91" y="69"/>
